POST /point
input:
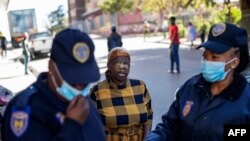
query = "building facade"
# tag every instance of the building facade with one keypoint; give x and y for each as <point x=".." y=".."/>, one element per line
<point x="92" y="19"/>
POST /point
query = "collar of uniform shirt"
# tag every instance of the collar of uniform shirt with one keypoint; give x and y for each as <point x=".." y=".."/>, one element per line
<point x="230" y="92"/>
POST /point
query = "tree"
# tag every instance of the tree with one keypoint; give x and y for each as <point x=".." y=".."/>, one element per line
<point x="171" y="6"/>
<point x="57" y="19"/>
<point x="245" y="8"/>
<point x="116" y="7"/>
<point x="158" y="6"/>
<point x="198" y="2"/>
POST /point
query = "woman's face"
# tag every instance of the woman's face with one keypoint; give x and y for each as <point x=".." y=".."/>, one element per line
<point x="119" y="69"/>
<point x="225" y="57"/>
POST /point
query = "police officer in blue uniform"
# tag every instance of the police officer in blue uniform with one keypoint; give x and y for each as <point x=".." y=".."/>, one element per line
<point x="216" y="97"/>
<point x="56" y="107"/>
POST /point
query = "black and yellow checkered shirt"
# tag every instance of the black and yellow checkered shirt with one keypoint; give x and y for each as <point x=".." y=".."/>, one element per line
<point x="123" y="105"/>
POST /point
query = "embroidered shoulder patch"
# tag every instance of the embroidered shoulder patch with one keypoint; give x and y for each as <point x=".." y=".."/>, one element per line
<point x="81" y="52"/>
<point x="60" y="117"/>
<point x="187" y="108"/>
<point x="19" y="121"/>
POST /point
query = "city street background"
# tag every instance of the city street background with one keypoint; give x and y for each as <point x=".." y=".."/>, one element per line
<point x="150" y="63"/>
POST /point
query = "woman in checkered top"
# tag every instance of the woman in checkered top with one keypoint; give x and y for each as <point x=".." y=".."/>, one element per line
<point x="124" y="104"/>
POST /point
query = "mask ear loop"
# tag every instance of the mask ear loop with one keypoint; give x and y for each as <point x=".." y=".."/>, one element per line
<point x="231" y="62"/>
<point x="51" y="73"/>
<point x="57" y="71"/>
<point x="54" y="80"/>
<point x="231" y="68"/>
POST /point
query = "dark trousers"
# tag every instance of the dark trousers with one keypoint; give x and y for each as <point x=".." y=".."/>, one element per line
<point x="174" y="57"/>
<point x="4" y="52"/>
<point x="202" y="38"/>
<point x="25" y="61"/>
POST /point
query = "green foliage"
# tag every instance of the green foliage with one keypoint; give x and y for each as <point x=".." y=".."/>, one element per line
<point x="171" y="6"/>
<point x="57" y="20"/>
<point x="115" y="6"/>
<point x="236" y="15"/>
<point x="222" y="15"/>
<point x="182" y="30"/>
<point x="153" y="5"/>
<point x="201" y="23"/>
<point x="198" y="3"/>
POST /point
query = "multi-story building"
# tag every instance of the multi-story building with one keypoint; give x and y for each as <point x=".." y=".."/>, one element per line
<point x="75" y="9"/>
<point x="93" y="19"/>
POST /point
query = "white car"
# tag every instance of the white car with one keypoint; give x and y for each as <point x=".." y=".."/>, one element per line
<point x="40" y="43"/>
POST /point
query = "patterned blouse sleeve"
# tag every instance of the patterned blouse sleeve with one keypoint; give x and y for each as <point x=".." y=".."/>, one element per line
<point x="92" y="94"/>
<point x="147" y="102"/>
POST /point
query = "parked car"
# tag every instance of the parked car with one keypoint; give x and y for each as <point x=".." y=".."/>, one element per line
<point x="40" y="43"/>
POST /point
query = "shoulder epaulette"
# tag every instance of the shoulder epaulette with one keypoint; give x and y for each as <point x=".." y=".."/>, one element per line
<point x="23" y="100"/>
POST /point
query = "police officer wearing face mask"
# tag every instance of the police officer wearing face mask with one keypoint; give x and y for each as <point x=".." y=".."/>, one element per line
<point x="216" y="97"/>
<point x="56" y="107"/>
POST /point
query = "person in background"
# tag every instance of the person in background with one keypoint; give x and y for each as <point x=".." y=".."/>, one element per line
<point x="174" y="46"/>
<point x="164" y="28"/>
<point x="26" y="53"/>
<point x="146" y="29"/>
<point x="114" y="39"/>
<point x="216" y="97"/>
<point x="56" y="107"/>
<point x="191" y="34"/>
<point x="203" y="33"/>
<point x="124" y="104"/>
<point x="3" y="43"/>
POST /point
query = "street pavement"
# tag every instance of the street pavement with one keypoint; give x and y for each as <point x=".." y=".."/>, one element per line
<point x="12" y="73"/>
<point x="150" y="63"/>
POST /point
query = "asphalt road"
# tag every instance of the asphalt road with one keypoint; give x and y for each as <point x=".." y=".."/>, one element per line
<point x="150" y="63"/>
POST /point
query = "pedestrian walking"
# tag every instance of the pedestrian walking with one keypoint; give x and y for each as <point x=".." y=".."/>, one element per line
<point x="203" y="33"/>
<point x="191" y="34"/>
<point x="26" y="53"/>
<point x="216" y="97"/>
<point x="164" y="28"/>
<point x="114" y="39"/>
<point x="174" y="46"/>
<point x="124" y="104"/>
<point x="56" y="107"/>
<point x="146" y="29"/>
<point x="3" y="43"/>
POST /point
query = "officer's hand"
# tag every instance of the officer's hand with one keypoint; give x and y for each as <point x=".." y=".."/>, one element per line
<point x="78" y="109"/>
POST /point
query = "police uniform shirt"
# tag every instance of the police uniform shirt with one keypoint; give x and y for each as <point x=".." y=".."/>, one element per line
<point x="196" y="115"/>
<point x="44" y="121"/>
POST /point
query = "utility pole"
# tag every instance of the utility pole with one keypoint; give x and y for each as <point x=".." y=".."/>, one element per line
<point x="228" y="5"/>
<point x="245" y="9"/>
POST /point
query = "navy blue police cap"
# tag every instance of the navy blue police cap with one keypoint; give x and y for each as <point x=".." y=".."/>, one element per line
<point x="73" y="53"/>
<point x="224" y="36"/>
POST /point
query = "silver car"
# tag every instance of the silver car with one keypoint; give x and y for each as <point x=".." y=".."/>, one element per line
<point x="40" y="43"/>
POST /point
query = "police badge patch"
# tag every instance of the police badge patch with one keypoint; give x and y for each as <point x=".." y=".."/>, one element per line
<point x="19" y="121"/>
<point x="60" y="117"/>
<point x="81" y="52"/>
<point x="218" y="29"/>
<point x="187" y="108"/>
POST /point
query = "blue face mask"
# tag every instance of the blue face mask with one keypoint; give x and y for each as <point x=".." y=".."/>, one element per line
<point x="214" y="71"/>
<point x="66" y="90"/>
<point x="69" y="92"/>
